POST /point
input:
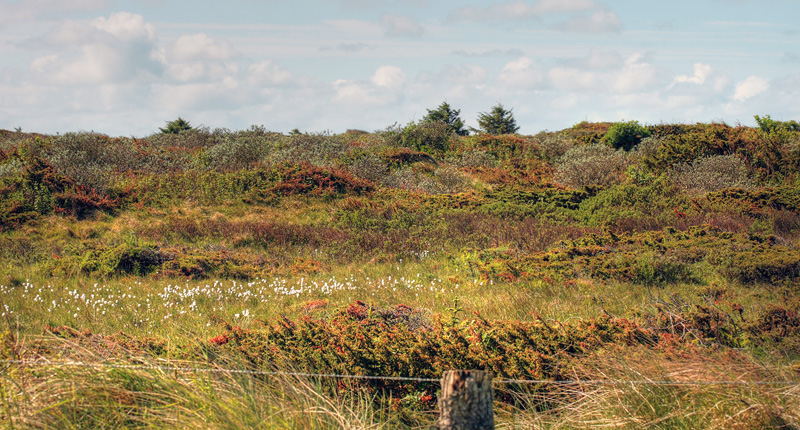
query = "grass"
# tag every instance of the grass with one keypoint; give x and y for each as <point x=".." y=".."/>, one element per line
<point x="209" y="251"/>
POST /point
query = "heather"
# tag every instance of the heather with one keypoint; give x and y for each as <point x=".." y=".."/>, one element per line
<point x="616" y="252"/>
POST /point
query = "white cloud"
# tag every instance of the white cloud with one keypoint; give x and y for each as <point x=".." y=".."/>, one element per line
<point x="701" y="73"/>
<point x="114" y="49"/>
<point x="520" y="73"/>
<point x="389" y="77"/>
<point x="201" y="47"/>
<point x="592" y="73"/>
<point x="126" y="26"/>
<point x="562" y="6"/>
<point x="25" y="11"/>
<point x="268" y="73"/>
<point x="703" y="79"/>
<point x="586" y="16"/>
<point x="401" y="26"/>
<point x="637" y="74"/>
<point x="597" y="21"/>
<point x="386" y="86"/>
<point x="750" y="88"/>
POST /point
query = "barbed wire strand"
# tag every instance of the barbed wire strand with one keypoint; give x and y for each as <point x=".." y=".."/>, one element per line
<point x="388" y="378"/>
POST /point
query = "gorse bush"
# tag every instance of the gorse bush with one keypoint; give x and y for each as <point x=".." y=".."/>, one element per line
<point x="587" y="133"/>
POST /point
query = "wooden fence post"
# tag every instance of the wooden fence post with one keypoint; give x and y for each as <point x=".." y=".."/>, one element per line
<point x="466" y="401"/>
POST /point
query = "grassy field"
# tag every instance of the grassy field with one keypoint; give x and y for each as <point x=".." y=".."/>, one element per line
<point x="155" y="266"/>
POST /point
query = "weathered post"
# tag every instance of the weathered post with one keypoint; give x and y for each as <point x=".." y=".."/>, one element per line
<point x="466" y="401"/>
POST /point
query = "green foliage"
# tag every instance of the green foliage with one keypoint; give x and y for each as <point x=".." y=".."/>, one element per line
<point x="176" y="126"/>
<point x="625" y="135"/>
<point x="588" y="133"/>
<point x="497" y="121"/>
<point x="433" y="136"/>
<point x="367" y="340"/>
<point x="665" y="257"/>
<point x="449" y="116"/>
<point x="768" y="156"/>
<point x="769" y="125"/>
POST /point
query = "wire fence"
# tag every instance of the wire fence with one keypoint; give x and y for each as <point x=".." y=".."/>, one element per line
<point x="43" y="363"/>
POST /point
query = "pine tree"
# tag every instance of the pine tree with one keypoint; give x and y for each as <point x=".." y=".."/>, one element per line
<point x="449" y="116"/>
<point x="176" y="126"/>
<point x="498" y="121"/>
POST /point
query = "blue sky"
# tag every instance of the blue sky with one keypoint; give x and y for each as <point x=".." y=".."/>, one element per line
<point x="125" y="67"/>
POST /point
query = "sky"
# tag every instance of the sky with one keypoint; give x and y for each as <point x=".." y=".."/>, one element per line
<point x="126" y="67"/>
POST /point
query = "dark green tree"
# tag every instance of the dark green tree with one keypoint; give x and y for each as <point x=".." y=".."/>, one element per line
<point x="449" y="116"/>
<point x="176" y="126"/>
<point x="498" y="121"/>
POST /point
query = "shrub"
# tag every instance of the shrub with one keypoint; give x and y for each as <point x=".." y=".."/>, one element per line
<point x="400" y="156"/>
<point x="445" y="180"/>
<point x="588" y="133"/>
<point x="191" y="140"/>
<point x="514" y="148"/>
<point x="648" y="147"/>
<point x="476" y="158"/>
<point x="625" y="135"/>
<point x="125" y="258"/>
<point x="239" y="150"/>
<point x="320" y="149"/>
<point x="366" y="340"/>
<point x="553" y="145"/>
<point x="769" y="125"/>
<point x="370" y="167"/>
<point x="711" y="174"/>
<point x="584" y="166"/>
<point x="305" y="178"/>
<point x="764" y="262"/>
<point x="426" y="136"/>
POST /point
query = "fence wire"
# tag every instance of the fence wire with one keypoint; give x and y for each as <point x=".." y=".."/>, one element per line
<point x="388" y="378"/>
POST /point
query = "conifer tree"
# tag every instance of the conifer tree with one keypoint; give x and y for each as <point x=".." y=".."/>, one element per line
<point x="498" y="121"/>
<point x="176" y="126"/>
<point x="449" y="116"/>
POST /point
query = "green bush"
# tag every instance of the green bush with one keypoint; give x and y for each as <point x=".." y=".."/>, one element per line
<point x="431" y="136"/>
<point x="367" y="340"/>
<point x="625" y="135"/>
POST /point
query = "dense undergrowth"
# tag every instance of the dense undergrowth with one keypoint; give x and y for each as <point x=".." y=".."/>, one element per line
<point x="550" y="257"/>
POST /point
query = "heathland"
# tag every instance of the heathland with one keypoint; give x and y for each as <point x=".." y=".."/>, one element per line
<point x="646" y="276"/>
